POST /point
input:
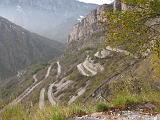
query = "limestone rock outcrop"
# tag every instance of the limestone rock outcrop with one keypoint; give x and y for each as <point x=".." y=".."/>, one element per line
<point x="84" y="33"/>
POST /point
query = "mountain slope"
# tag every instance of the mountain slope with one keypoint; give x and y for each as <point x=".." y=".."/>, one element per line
<point x="20" y="48"/>
<point x="90" y="72"/>
<point x="50" y="15"/>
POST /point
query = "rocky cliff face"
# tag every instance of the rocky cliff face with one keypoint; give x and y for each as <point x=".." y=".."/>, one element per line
<point x="20" y="48"/>
<point x="82" y="34"/>
<point x="54" y="17"/>
<point x="117" y="5"/>
<point x="120" y="5"/>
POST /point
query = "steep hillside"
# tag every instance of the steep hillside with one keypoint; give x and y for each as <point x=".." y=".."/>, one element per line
<point x="50" y="15"/>
<point x="90" y="76"/>
<point x="90" y="31"/>
<point x="20" y="48"/>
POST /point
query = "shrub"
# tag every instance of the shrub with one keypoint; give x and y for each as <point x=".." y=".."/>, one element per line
<point x="101" y="107"/>
<point x="77" y="109"/>
<point x="123" y="100"/>
<point x="15" y="113"/>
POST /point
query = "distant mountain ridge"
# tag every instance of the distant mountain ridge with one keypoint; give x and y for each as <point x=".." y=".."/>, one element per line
<point x="54" y="17"/>
<point x="20" y="48"/>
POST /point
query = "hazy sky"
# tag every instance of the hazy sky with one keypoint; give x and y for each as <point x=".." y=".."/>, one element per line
<point x="97" y="1"/>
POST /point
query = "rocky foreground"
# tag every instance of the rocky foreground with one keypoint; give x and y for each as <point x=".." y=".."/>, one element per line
<point x="123" y="115"/>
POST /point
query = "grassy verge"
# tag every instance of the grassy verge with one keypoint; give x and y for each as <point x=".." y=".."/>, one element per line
<point x="49" y="113"/>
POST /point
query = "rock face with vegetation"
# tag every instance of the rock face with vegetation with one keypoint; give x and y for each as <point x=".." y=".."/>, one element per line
<point x="85" y="33"/>
<point x="20" y="48"/>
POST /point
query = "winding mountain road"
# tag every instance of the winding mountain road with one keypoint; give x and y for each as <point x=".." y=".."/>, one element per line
<point x="86" y="64"/>
<point x="42" y="92"/>
<point x="27" y="91"/>
<point x="30" y="89"/>
<point x="59" y="70"/>
<point x="24" y="94"/>
<point x="82" y="70"/>
<point x="51" y="98"/>
<point x="48" y="71"/>
<point x="89" y="68"/>
<point x="42" y="98"/>
<point x="50" y="95"/>
<point x="35" y="78"/>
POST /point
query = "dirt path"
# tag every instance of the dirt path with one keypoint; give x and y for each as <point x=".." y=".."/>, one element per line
<point x="48" y="71"/>
<point x="35" y="78"/>
<point x="42" y="99"/>
<point x="50" y="95"/>
<point x="58" y="69"/>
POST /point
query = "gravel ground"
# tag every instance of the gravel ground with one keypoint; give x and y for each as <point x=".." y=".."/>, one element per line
<point x="124" y="115"/>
